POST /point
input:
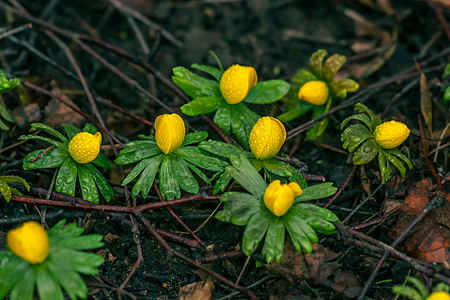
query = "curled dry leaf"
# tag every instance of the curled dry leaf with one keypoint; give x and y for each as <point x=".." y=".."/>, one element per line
<point x="200" y="290"/>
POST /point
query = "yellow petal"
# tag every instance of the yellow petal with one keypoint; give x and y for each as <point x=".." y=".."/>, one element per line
<point x="314" y="92"/>
<point x="29" y="241"/>
<point x="169" y="132"/>
<point x="267" y="137"/>
<point x="84" y="147"/>
<point x="295" y="188"/>
<point x="236" y="82"/>
<point x="442" y="295"/>
<point x="279" y="198"/>
<point x="391" y="134"/>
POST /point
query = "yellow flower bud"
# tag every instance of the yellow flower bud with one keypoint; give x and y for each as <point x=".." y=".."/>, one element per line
<point x="84" y="147"/>
<point x="236" y="82"/>
<point x="314" y="92"/>
<point x="391" y="134"/>
<point x="278" y="197"/>
<point x="29" y="241"/>
<point x="441" y="295"/>
<point x="267" y="137"/>
<point x="170" y="131"/>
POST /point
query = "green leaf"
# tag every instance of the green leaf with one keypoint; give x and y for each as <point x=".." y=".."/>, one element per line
<point x="266" y="92"/>
<point x="183" y="176"/>
<point x="366" y="152"/>
<point x="198" y="172"/>
<point x="87" y="184"/>
<point x="441" y="286"/>
<point x="223" y="149"/>
<point x="213" y="71"/>
<point x="66" y="180"/>
<point x="375" y="119"/>
<point x="47" y="287"/>
<point x="216" y="58"/>
<point x="419" y="285"/>
<point x="223" y="118"/>
<point x="255" y="231"/>
<point x="90" y="128"/>
<point x="316" y="61"/>
<point x="298" y="110"/>
<point x="244" y="173"/>
<point x="70" y="237"/>
<point x="194" y="137"/>
<point x="24" y="289"/>
<point x="6" y="115"/>
<point x="384" y="167"/>
<point x="360" y="117"/>
<point x="11" y="269"/>
<point x="316" y="131"/>
<point x="3" y="126"/>
<point x="277" y="167"/>
<point x="318" y="191"/>
<point x="320" y="219"/>
<point x="201" y="105"/>
<point x="197" y="157"/>
<point x="15" y="179"/>
<point x="136" y="151"/>
<point x="51" y="159"/>
<point x="238" y="208"/>
<point x="354" y="135"/>
<point x="147" y="137"/>
<point x="5" y="190"/>
<point x="298" y="177"/>
<point x="302" y="77"/>
<point x="406" y="291"/>
<point x="50" y="130"/>
<point x="332" y="65"/>
<point x="222" y="182"/>
<point x="102" y="184"/>
<point x="167" y="181"/>
<point x="400" y="155"/>
<point x="71" y="130"/>
<point x="45" y="139"/>
<point x="145" y="181"/>
<point x="396" y="162"/>
<point x="242" y="121"/>
<point x="79" y="261"/>
<point x="71" y="281"/>
<point x="341" y="87"/>
<point x="102" y="161"/>
<point x="301" y="233"/>
<point x="6" y="84"/>
<point x="194" y="85"/>
<point x="274" y="242"/>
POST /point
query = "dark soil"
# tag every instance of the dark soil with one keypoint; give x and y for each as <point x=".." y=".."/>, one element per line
<point x="276" y="38"/>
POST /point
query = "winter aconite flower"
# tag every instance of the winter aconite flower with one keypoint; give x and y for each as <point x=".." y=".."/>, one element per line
<point x="441" y="295"/>
<point x="314" y="92"/>
<point x="170" y="132"/>
<point x="84" y="147"/>
<point x="267" y="137"/>
<point x="29" y="241"/>
<point x="236" y="82"/>
<point x="391" y="134"/>
<point x="278" y="197"/>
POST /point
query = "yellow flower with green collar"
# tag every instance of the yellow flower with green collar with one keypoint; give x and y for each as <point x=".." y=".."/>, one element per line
<point x="314" y="92"/>
<point x="391" y="134"/>
<point x="169" y="132"/>
<point x="236" y="82"/>
<point x="29" y="241"/>
<point x="279" y="198"/>
<point x="267" y="137"/>
<point x="84" y="147"/>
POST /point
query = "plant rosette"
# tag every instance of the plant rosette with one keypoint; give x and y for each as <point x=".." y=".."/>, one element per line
<point x="269" y="210"/>
<point x="266" y="139"/>
<point x="315" y="90"/>
<point x="420" y="292"/>
<point x="6" y="85"/>
<point x="227" y="94"/>
<point x="48" y="262"/>
<point x="75" y="156"/>
<point x="372" y="137"/>
<point x="170" y="154"/>
<point x="6" y="191"/>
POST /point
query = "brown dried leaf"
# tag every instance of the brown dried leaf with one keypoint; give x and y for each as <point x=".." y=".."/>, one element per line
<point x="25" y="115"/>
<point x="200" y="290"/>
<point x="58" y="113"/>
<point x="425" y="102"/>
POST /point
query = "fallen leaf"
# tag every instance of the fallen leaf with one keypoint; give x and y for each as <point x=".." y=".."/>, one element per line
<point x="25" y="115"/>
<point x="425" y="102"/>
<point x="201" y="290"/>
<point x="58" y="113"/>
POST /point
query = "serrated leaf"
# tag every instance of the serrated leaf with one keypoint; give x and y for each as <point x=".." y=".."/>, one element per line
<point x="277" y="167"/>
<point x="24" y="289"/>
<point x="66" y="179"/>
<point x="266" y="92"/>
<point x="194" y="85"/>
<point x="87" y="184"/>
<point x="194" y="137"/>
<point x="223" y="149"/>
<point x="168" y="183"/>
<point x="49" y="130"/>
<point x="53" y="158"/>
<point x="242" y="121"/>
<point x="316" y="61"/>
<point x="246" y="175"/>
<point x="223" y="118"/>
<point x="332" y="65"/>
<point x="222" y="183"/>
<point x="201" y="105"/>
<point x="42" y="138"/>
<point x="197" y="157"/>
<point x="199" y="173"/>
<point x="5" y="190"/>
<point x="396" y="162"/>
<point x="102" y="184"/>
<point x="303" y="76"/>
<point x="354" y="135"/>
<point x="102" y="161"/>
<point x="71" y="130"/>
<point x="136" y="151"/>
<point x="375" y="119"/>
<point x="213" y="71"/>
<point x="145" y="181"/>
<point x="274" y="241"/>
<point x="366" y="152"/>
<point x="183" y="176"/>
<point x="79" y="261"/>
<point x="11" y="269"/>
<point x="299" y="231"/>
<point x="47" y="287"/>
<point x="6" y="84"/>
<point x="400" y="155"/>
<point x="254" y="232"/>
<point x="384" y="166"/>
<point x="238" y="208"/>
<point x="360" y="117"/>
<point x="71" y="281"/>
<point x="318" y="191"/>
